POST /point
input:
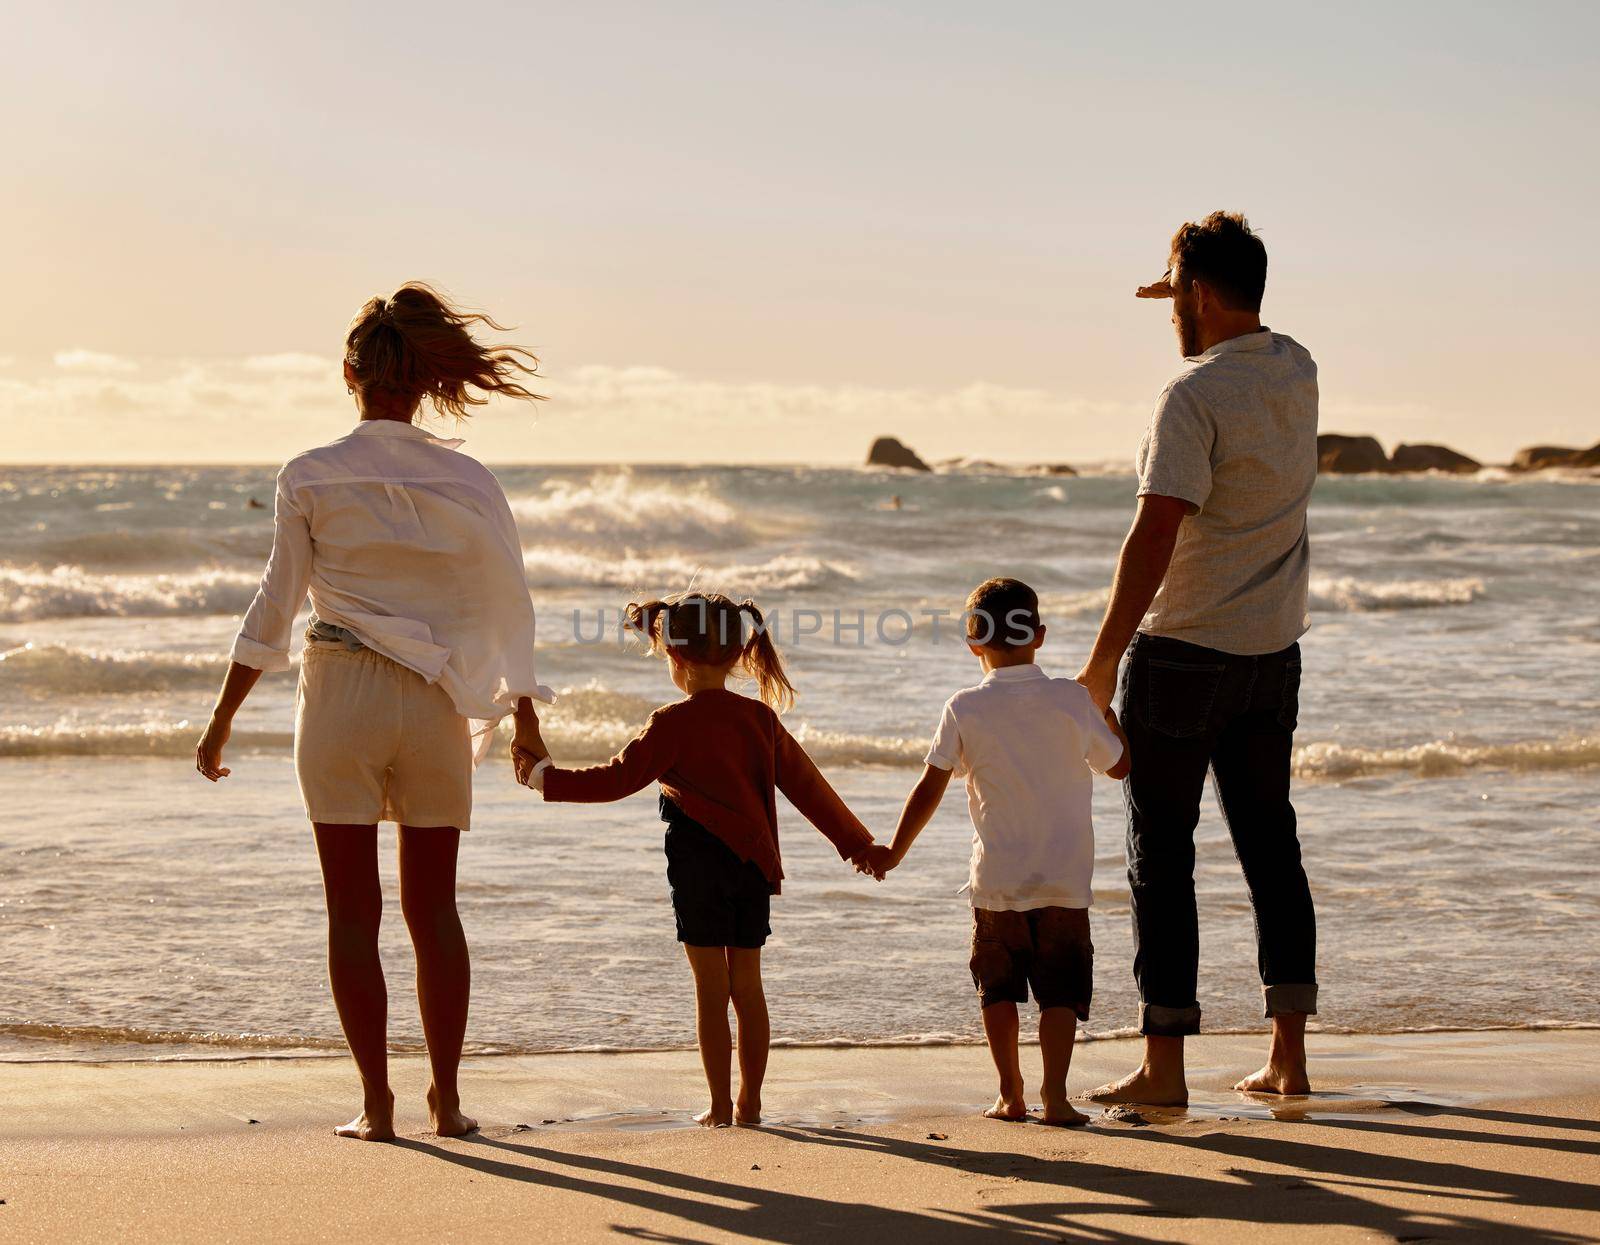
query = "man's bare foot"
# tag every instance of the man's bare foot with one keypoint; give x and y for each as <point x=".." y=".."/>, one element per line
<point x="717" y="1115"/>
<point x="1008" y="1109"/>
<point x="747" y="1112"/>
<point x="1062" y="1115"/>
<point x="376" y="1123"/>
<point x="1144" y="1089"/>
<point x="447" y="1117"/>
<point x="1275" y="1080"/>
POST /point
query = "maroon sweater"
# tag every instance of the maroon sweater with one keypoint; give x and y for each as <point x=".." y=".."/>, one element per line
<point x="718" y="756"/>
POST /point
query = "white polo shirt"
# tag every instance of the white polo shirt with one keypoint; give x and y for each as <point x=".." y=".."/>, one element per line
<point x="1026" y="744"/>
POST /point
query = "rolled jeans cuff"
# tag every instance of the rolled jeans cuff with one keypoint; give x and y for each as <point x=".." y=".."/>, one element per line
<point x="1288" y="1000"/>
<point x="1158" y="1021"/>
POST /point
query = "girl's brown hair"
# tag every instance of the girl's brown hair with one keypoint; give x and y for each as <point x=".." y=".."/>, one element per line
<point x="414" y="345"/>
<point x="708" y="629"/>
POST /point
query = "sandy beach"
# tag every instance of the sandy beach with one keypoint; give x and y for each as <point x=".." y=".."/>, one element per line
<point x="1488" y="1136"/>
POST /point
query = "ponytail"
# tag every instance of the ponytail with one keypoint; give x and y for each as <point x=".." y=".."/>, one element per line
<point x="761" y="661"/>
<point x="414" y="345"/>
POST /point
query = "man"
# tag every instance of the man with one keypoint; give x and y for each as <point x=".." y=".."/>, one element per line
<point x="1210" y="590"/>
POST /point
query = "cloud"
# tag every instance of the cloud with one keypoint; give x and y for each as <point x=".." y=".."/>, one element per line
<point x="80" y="360"/>
<point x="291" y="364"/>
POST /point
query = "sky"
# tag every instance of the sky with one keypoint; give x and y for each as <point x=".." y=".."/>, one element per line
<point x="755" y="232"/>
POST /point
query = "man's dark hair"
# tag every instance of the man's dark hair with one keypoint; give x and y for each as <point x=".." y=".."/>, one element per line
<point x="1223" y="252"/>
<point x="1003" y="613"/>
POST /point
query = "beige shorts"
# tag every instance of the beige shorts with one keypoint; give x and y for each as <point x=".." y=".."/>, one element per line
<point x="375" y="742"/>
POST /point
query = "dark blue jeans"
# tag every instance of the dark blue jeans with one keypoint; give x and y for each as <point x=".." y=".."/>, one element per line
<point x="1187" y="710"/>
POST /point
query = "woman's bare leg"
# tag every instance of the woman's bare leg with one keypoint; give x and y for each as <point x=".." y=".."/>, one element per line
<point x="349" y="856"/>
<point x="711" y="994"/>
<point x="444" y="969"/>
<point x="755" y="1030"/>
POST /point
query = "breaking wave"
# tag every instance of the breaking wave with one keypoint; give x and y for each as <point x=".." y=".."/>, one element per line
<point x="72" y="592"/>
<point x="1347" y="595"/>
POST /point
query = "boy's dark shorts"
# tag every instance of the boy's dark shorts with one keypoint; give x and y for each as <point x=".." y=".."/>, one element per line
<point x="1046" y="948"/>
<point x="718" y="899"/>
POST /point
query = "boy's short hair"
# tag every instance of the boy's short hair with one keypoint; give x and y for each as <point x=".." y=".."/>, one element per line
<point x="1002" y="613"/>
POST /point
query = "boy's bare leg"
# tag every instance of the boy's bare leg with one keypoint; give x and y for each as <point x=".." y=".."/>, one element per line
<point x="1159" y="1082"/>
<point x="1058" y="1026"/>
<point x="711" y="994"/>
<point x="349" y="856"/>
<point x="1285" y="1072"/>
<point x="755" y="1030"/>
<point x="1000" y="1029"/>
<point x="444" y="968"/>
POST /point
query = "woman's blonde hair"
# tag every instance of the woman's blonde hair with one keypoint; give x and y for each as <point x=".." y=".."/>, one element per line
<point x="708" y="629"/>
<point x="414" y="345"/>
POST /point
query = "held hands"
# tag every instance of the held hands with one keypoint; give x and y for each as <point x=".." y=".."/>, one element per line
<point x="208" y="752"/>
<point x="1101" y="682"/>
<point x="527" y="745"/>
<point x="875" y="860"/>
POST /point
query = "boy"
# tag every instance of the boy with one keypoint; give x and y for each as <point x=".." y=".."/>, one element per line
<point x="1025" y="743"/>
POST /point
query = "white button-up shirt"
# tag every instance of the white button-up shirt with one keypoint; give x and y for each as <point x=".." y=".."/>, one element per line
<point x="1025" y="743"/>
<point x="410" y="545"/>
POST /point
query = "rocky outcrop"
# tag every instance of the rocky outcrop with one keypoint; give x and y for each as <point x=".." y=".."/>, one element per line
<point x="1540" y="457"/>
<point x="1537" y="457"/>
<point x="1058" y="469"/>
<point x="890" y="452"/>
<point x="1341" y="455"/>
<point x="1431" y="458"/>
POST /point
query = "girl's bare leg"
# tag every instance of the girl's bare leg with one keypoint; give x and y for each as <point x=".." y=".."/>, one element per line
<point x="349" y="856"/>
<point x="711" y="994"/>
<point x="444" y="969"/>
<point x="755" y="1030"/>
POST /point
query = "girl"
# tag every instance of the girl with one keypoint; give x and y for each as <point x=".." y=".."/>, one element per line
<point x="421" y="635"/>
<point x="718" y="756"/>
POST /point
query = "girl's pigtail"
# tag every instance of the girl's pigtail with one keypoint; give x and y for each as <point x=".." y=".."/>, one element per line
<point x="761" y="661"/>
<point x="642" y="620"/>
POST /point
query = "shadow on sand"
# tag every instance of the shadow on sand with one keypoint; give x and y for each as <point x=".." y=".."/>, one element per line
<point x="1315" y="1186"/>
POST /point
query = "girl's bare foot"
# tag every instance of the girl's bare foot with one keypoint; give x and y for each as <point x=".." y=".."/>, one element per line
<point x="376" y="1123"/>
<point x="1144" y="1088"/>
<point x="747" y="1112"/>
<point x="717" y="1115"/>
<point x="448" y="1121"/>
<point x="1273" y="1079"/>
<point x="1008" y="1109"/>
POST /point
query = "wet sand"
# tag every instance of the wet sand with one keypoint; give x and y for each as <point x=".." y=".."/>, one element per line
<point x="1485" y="1136"/>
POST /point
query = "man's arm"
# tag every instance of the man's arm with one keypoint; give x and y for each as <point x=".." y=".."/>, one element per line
<point x="1146" y="554"/>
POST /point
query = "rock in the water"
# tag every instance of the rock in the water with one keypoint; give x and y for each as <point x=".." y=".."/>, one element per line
<point x="1537" y="457"/>
<point x="1058" y="469"/>
<point x="890" y="452"/>
<point x="1350" y="455"/>
<point x="1432" y="458"/>
<point x="1587" y="458"/>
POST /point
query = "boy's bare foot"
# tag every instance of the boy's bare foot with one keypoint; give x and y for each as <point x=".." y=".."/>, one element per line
<point x="717" y="1115"/>
<point x="376" y="1123"/>
<point x="1063" y="1115"/>
<point x="747" y="1112"/>
<point x="447" y="1117"/>
<point x="1008" y="1109"/>
<point x="1273" y="1079"/>
<point x="1144" y="1089"/>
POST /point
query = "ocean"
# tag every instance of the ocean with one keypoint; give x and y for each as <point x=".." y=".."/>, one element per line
<point x="1447" y="761"/>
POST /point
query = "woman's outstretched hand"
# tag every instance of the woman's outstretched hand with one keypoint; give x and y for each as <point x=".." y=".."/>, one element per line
<point x="208" y="752"/>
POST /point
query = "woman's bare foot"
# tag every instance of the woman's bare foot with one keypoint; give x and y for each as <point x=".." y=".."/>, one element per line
<point x="447" y="1117"/>
<point x="747" y="1112"/>
<point x="1005" y="1108"/>
<point x="1144" y="1088"/>
<point x="717" y="1115"/>
<point x="375" y="1123"/>
<point x="1273" y="1079"/>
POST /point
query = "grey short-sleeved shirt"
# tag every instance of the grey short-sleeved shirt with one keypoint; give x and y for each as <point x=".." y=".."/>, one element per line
<point x="1235" y="434"/>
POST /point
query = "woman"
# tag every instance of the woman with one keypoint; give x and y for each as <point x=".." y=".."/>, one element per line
<point x="421" y="639"/>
